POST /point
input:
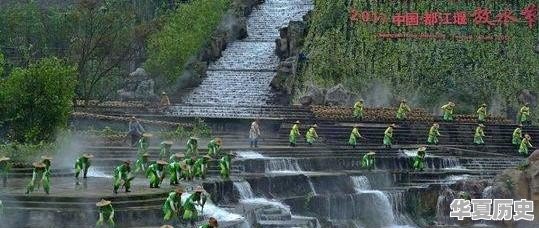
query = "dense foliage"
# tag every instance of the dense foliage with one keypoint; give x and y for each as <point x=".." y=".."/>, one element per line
<point x="36" y="101"/>
<point x="427" y="71"/>
<point x="28" y="32"/>
<point x="184" y="32"/>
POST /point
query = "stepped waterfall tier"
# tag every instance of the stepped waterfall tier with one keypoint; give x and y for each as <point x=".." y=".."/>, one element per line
<point x="228" y="151"/>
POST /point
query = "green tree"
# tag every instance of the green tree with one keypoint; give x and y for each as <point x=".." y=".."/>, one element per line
<point x="184" y="32"/>
<point x="37" y="100"/>
<point x="103" y="44"/>
<point x="28" y="32"/>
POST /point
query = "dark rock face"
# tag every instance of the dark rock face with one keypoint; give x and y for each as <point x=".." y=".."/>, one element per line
<point x="313" y="96"/>
<point x="138" y="85"/>
<point x="291" y="39"/>
<point x="537" y="48"/>
<point x="285" y="77"/>
<point x="338" y="96"/>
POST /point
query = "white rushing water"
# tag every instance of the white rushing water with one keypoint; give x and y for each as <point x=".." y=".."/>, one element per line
<point x="282" y="165"/>
<point x="222" y="215"/>
<point x="250" y="155"/>
<point x="379" y="205"/>
<point x="361" y="183"/>
<point x="97" y="173"/>
<point x="248" y="197"/>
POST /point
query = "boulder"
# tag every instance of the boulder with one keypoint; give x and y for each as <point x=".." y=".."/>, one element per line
<point x="297" y="30"/>
<point x="284" y="79"/>
<point x="306" y="100"/>
<point x="537" y="48"/>
<point x="338" y="96"/>
<point x="138" y="85"/>
<point x="313" y="96"/>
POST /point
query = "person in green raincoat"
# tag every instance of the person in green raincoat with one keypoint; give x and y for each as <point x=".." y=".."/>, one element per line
<point x="122" y="177"/>
<point x="358" y="110"/>
<point x="214" y="147"/>
<point x="174" y="172"/>
<point x="47" y="160"/>
<point x="367" y="162"/>
<point x="142" y="163"/>
<point x="525" y="144"/>
<point x="176" y="157"/>
<point x="143" y="144"/>
<point x="517" y="135"/>
<point x="354" y="136"/>
<point x="212" y="223"/>
<point x="294" y="134"/>
<point x="192" y="147"/>
<point x="311" y="135"/>
<point x="524" y="114"/>
<point x="434" y="132"/>
<point x="38" y="178"/>
<point x="388" y="136"/>
<point x="190" y="213"/>
<point x="201" y="167"/>
<point x="164" y="153"/>
<point x="482" y="113"/>
<point x="224" y="165"/>
<point x="447" y="111"/>
<point x="479" y="134"/>
<point x="419" y="160"/>
<point x="82" y="164"/>
<point x="156" y="173"/>
<point x="5" y="166"/>
<point x="188" y="173"/>
<point x="173" y="205"/>
<point x="403" y="110"/>
<point x="106" y="214"/>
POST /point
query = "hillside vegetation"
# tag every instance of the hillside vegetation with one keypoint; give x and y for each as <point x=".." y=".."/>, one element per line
<point x="426" y="71"/>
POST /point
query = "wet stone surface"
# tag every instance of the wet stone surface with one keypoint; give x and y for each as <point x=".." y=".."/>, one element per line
<point x="242" y="76"/>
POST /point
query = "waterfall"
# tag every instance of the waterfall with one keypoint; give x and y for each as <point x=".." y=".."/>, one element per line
<point x="248" y="197"/>
<point x="360" y="183"/>
<point x="451" y="163"/>
<point x="388" y="208"/>
<point x="398" y="200"/>
<point x="212" y="210"/>
<point x="379" y="206"/>
<point x="250" y="155"/>
<point x="244" y="190"/>
<point x="282" y="165"/>
<point x="442" y="207"/>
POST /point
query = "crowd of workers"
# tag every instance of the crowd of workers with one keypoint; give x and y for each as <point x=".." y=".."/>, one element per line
<point x="519" y="140"/>
<point x="192" y="165"/>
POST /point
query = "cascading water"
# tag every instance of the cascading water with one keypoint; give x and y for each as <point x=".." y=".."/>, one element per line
<point x="249" y="155"/>
<point x="386" y="208"/>
<point x="442" y="207"/>
<point x="222" y="215"/>
<point x="244" y="190"/>
<point x="361" y="183"/>
<point x="282" y="165"/>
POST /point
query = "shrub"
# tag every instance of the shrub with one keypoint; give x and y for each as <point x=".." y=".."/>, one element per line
<point x="184" y="32"/>
<point x="38" y="100"/>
